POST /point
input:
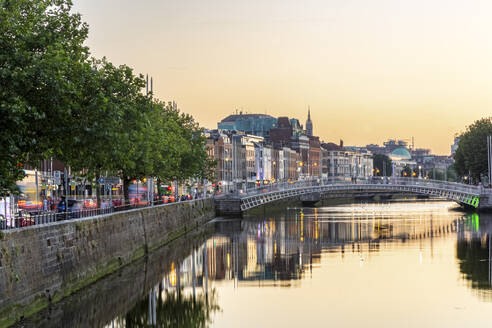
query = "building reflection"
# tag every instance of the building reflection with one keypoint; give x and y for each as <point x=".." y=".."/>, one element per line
<point x="280" y="251"/>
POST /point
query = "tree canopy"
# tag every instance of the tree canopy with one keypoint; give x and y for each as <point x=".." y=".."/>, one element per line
<point x="57" y="101"/>
<point x="382" y="165"/>
<point x="471" y="155"/>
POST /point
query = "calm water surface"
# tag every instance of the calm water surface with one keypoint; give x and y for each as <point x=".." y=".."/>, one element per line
<point x="363" y="265"/>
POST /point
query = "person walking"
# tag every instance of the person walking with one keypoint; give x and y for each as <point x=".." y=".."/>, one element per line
<point x="62" y="205"/>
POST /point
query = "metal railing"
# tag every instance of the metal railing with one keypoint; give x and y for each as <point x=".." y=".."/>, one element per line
<point x="414" y="182"/>
<point x="27" y="219"/>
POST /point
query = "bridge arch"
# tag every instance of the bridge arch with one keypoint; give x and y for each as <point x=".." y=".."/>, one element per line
<point x="460" y="193"/>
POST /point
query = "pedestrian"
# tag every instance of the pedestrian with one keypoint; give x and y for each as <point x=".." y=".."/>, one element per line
<point x="62" y="205"/>
<point x="45" y="204"/>
<point x="51" y="203"/>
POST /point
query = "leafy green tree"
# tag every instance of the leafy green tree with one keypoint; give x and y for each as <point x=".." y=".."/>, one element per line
<point x="180" y="152"/>
<point x="96" y="126"/>
<point x="435" y="174"/>
<point x="471" y="156"/>
<point x="451" y="174"/>
<point x="133" y="155"/>
<point x="41" y="50"/>
<point x="91" y="114"/>
<point x="382" y="164"/>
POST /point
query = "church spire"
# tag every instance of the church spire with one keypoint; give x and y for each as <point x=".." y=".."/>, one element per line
<point x="309" y="124"/>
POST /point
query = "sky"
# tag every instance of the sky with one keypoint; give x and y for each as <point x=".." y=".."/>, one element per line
<point x="369" y="70"/>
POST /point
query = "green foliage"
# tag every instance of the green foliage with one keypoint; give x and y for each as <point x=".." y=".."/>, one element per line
<point x="452" y="175"/>
<point x="91" y="114"/>
<point x="41" y="50"/>
<point x="439" y="174"/>
<point x="471" y="156"/>
<point x="382" y="164"/>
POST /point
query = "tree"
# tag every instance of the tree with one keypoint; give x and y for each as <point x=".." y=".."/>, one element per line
<point x="435" y="174"/>
<point x="95" y="129"/>
<point x="471" y="155"/>
<point x="382" y="164"/>
<point x="41" y="50"/>
<point x="91" y="114"/>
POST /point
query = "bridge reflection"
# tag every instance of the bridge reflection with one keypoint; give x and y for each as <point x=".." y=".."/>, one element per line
<point x="177" y="285"/>
<point x="282" y="251"/>
<point x="278" y="251"/>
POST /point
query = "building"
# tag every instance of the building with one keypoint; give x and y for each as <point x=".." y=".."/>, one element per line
<point x="263" y="163"/>
<point x="244" y="160"/>
<point x="253" y="124"/>
<point x="309" y="125"/>
<point x="300" y="144"/>
<point x="314" y="158"/>
<point x="220" y="149"/>
<point x="282" y="134"/>
<point x="346" y="163"/>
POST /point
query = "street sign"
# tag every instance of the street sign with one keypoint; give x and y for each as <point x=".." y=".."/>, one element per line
<point x="101" y="180"/>
<point x="112" y="180"/>
<point x="57" y="177"/>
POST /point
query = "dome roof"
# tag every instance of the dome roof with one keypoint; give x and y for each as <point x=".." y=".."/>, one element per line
<point x="400" y="153"/>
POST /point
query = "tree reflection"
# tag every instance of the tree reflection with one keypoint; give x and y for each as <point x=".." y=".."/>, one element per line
<point x="173" y="309"/>
<point x="474" y="261"/>
<point x="474" y="252"/>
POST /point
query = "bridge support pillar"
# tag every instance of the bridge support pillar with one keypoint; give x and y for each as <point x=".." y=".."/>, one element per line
<point x="228" y="206"/>
<point x="485" y="203"/>
<point x="310" y="199"/>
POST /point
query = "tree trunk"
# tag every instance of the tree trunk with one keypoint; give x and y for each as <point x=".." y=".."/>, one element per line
<point x="126" y="186"/>
<point x="159" y="189"/>
<point x="98" y="191"/>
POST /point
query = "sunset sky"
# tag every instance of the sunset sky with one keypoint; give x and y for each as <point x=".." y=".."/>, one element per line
<point x="369" y="70"/>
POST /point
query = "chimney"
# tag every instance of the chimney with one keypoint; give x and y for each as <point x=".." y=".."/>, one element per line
<point x="341" y="143"/>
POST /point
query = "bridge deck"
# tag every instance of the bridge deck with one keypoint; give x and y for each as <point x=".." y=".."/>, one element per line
<point x="461" y="193"/>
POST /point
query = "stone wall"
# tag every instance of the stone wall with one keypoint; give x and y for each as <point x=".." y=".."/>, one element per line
<point x="42" y="264"/>
<point x="116" y="294"/>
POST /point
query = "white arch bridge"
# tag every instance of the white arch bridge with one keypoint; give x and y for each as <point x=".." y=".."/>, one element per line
<point x="313" y="190"/>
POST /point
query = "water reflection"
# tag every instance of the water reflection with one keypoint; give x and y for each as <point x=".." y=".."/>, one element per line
<point x="474" y="252"/>
<point x="421" y="262"/>
<point x="174" y="309"/>
<point x="281" y="251"/>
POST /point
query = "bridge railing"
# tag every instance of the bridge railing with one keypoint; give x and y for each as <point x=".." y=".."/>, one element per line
<point x="414" y="182"/>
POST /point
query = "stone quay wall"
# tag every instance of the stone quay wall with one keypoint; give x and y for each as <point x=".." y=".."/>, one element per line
<point x="44" y="263"/>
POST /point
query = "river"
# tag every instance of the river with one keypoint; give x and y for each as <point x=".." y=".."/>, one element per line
<point x="398" y="264"/>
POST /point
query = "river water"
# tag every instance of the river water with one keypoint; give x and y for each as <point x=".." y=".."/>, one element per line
<point x="400" y="264"/>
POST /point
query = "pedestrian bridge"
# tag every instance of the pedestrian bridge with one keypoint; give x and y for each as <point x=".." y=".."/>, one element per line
<point x="314" y="190"/>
